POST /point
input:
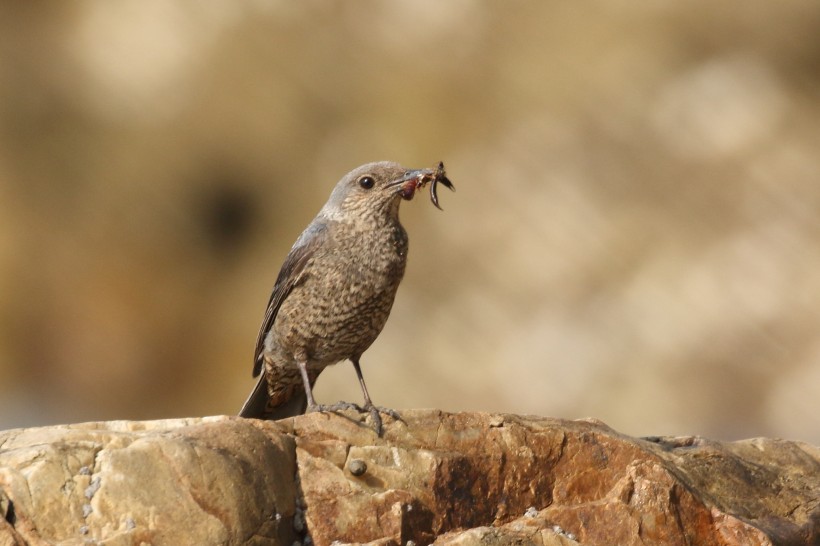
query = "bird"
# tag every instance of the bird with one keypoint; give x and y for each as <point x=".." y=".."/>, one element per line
<point x="335" y="291"/>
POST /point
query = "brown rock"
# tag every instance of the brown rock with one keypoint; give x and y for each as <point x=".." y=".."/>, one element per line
<point x="454" y="479"/>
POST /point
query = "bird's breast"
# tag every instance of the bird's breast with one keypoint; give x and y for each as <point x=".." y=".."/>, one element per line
<point x="346" y="296"/>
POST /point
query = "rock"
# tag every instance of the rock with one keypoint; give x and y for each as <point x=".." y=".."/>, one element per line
<point x="185" y="481"/>
<point x="447" y="479"/>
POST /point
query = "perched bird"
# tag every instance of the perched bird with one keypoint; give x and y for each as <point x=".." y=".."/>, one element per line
<point x="335" y="290"/>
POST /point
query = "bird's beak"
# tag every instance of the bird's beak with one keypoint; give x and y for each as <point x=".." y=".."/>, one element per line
<point x="407" y="185"/>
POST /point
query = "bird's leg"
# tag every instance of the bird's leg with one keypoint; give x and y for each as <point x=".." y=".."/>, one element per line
<point x="375" y="411"/>
<point x="302" y="365"/>
<point x="368" y="403"/>
<point x="311" y="403"/>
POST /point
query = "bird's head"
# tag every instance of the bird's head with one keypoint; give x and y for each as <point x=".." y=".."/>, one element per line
<point x="373" y="191"/>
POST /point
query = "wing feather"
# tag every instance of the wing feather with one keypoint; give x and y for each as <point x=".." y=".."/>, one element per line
<point x="289" y="276"/>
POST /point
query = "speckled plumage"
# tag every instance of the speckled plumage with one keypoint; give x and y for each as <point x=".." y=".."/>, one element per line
<point x="335" y="290"/>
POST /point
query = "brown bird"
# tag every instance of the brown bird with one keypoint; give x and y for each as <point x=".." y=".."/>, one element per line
<point x="335" y="290"/>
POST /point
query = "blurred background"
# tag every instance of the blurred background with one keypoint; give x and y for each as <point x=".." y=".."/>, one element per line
<point x="635" y="236"/>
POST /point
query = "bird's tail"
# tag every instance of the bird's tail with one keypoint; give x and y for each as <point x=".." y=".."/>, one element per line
<point x="257" y="406"/>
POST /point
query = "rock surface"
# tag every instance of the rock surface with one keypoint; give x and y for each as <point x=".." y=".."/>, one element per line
<point x="447" y="479"/>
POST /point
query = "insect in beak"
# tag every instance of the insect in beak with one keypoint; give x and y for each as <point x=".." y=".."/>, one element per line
<point x="435" y="178"/>
<point x="415" y="180"/>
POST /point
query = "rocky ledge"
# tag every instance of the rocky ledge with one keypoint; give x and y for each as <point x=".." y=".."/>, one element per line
<point x="434" y="477"/>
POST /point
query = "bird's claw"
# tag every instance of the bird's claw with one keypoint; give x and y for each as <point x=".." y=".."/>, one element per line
<point x="375" y="415"/>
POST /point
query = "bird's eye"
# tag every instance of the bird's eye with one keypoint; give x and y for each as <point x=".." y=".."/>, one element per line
<point x="367" y="182"/>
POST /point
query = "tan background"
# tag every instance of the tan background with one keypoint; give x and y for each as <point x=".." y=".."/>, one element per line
<point x="635" y="235"/>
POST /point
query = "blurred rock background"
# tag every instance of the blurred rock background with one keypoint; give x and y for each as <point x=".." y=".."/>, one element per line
<point x="635" y="236"/>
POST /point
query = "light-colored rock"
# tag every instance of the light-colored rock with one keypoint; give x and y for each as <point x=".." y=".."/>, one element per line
<point x="448" y="479"/>
<point x="186" y="481"/>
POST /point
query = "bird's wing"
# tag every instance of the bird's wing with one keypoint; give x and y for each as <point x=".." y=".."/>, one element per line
<point x="289" y="276"/>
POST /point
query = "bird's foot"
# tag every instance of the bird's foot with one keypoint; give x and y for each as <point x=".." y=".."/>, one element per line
<point x="375" y="415"/>
<point x="374" y="411"/>
<point x="338" y="406"/>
